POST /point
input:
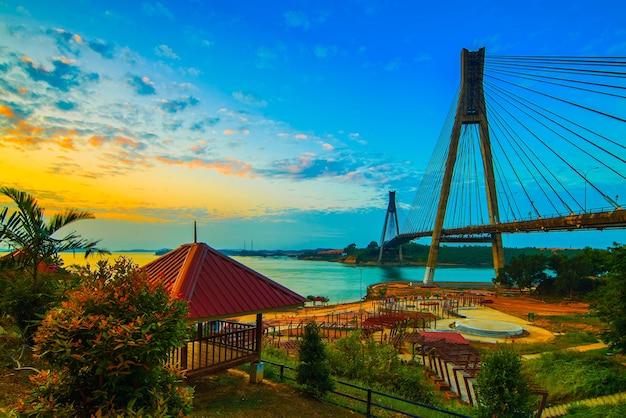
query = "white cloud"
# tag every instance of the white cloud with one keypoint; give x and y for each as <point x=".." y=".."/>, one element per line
<point x="166" y="52"/>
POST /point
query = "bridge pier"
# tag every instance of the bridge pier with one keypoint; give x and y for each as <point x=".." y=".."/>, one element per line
<point x="429" y="276"/>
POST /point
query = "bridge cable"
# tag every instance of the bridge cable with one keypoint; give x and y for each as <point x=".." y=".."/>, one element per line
<point x="568" y="120"/>
<point x="518" y="145"/>
<point x="613" y="142"/>
<point x="424" y="208"/>
<point x="538" y="78"/>
<point x="558" y="155"/>
<point x="564" y="70"/>
<point x="561" y="136"/>
<point x="536" y="158"/>
<point x="546" y="168"/>
<point x="562" y="100"/>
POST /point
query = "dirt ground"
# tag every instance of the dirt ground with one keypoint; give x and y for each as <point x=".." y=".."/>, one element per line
<point x="512" y="303"/>
<point x="518" y="305"/>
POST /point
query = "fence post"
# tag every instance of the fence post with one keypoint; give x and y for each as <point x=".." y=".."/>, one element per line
<point x="369" y="403"/>
<point x="282" y="372"/>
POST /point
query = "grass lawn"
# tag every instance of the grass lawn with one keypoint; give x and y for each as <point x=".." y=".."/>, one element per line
<point x="228" y="394"/>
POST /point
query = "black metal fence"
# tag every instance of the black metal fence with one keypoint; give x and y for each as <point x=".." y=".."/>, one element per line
<point x="372" y="400"/>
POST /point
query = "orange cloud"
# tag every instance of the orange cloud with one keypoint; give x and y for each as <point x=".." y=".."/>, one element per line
<point x="230" y="167"/>
<point x="301" y="136"/>
<point x="123" y="141"/>
<point x="305" y="162"/>
<point x="24" y="128"/>
<point x="6" y="111"/>
<point x="23" y="134"/>
<point x="229" y="132"/>
<point x="22" y="90"/>
<point x="66" y="60"/>
<point x="97" y="141"/>
<point x="67" y="143"/>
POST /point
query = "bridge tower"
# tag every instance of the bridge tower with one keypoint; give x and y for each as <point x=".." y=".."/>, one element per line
<point x="470" y="110"/>
<point x="391" y="220"/>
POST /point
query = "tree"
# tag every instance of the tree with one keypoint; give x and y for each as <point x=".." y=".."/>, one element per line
<point x="30" y="286"/>
<point x="34" y="239"/>
<point x="573" y="275"/>
<point x="313" y="371"/>
<point x="523" y="271"/>
<point x="350" y="249"/>
<point x="109" y="345"/>
<point x="501" y="387"/>
<point x="609" y="300"/>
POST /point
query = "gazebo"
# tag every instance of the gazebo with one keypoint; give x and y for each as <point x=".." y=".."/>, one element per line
<point x="218" y="287"/>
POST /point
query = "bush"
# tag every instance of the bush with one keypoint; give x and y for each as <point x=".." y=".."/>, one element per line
<point x="409" y="383"/>
<point x="26" y="301"/>
<point x="501" y="387"/>
<point x="365" y="360"/>
<point x="110" y="342"/>
<point x="313" y="371"/>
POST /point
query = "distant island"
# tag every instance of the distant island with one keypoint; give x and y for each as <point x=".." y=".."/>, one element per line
<point x="412" y="254"/>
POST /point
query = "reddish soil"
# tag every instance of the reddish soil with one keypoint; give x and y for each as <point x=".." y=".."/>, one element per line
<point x="521" y="305"/>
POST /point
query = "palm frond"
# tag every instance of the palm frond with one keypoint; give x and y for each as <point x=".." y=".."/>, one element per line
<point x="65" y="218"/>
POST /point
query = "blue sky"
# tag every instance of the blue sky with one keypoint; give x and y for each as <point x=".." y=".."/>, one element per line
<point x="285" y="123"/>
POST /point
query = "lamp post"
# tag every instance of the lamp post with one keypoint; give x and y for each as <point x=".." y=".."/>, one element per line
<point x="585" y="178"/>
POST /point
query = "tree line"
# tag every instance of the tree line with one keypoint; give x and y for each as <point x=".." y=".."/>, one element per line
<point x="414" y="253"/>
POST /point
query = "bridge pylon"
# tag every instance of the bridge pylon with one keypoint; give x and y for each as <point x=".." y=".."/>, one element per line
<point x="391" y="220"/>
<point x="470" y="110"/>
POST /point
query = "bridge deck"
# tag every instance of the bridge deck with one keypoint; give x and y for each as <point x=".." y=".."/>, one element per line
<point x="596" y="220"/>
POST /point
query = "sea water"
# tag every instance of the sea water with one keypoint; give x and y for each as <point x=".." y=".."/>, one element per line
<point x="337" y="281"/>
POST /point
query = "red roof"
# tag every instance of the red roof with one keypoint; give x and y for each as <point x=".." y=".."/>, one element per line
<point x="449" y="337"/>
<point x="216" y="285"/>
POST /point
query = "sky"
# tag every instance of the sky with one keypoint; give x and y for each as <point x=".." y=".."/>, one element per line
<point x="272" y="124"/>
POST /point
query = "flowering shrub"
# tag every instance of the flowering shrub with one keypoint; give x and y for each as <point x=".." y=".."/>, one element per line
<point x="110" y="342"/>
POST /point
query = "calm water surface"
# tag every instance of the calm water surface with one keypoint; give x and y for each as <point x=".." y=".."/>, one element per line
<point x="338" y="282"/>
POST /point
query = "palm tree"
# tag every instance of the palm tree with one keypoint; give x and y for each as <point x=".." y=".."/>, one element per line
<point x="33" y="238"/>
<point x="26" y="293"/>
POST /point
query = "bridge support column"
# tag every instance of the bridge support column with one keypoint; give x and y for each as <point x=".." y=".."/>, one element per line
<point x="470" y="110"/>
<point x="497" y="250"/>
<point x="391" y="221"/>
<point x="429" y="276"/>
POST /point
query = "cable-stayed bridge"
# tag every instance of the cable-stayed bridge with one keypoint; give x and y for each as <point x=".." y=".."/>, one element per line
<point x="529" y="144"/>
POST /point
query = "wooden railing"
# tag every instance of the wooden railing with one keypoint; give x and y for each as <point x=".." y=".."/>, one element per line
<point x="217" y="345"/>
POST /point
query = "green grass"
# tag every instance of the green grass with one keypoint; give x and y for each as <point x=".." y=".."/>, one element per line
<point x="230" y="394"/>
<point x="603" y="411"/>
<point x="569" y="376"/>
<point x="560" y="342"/>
